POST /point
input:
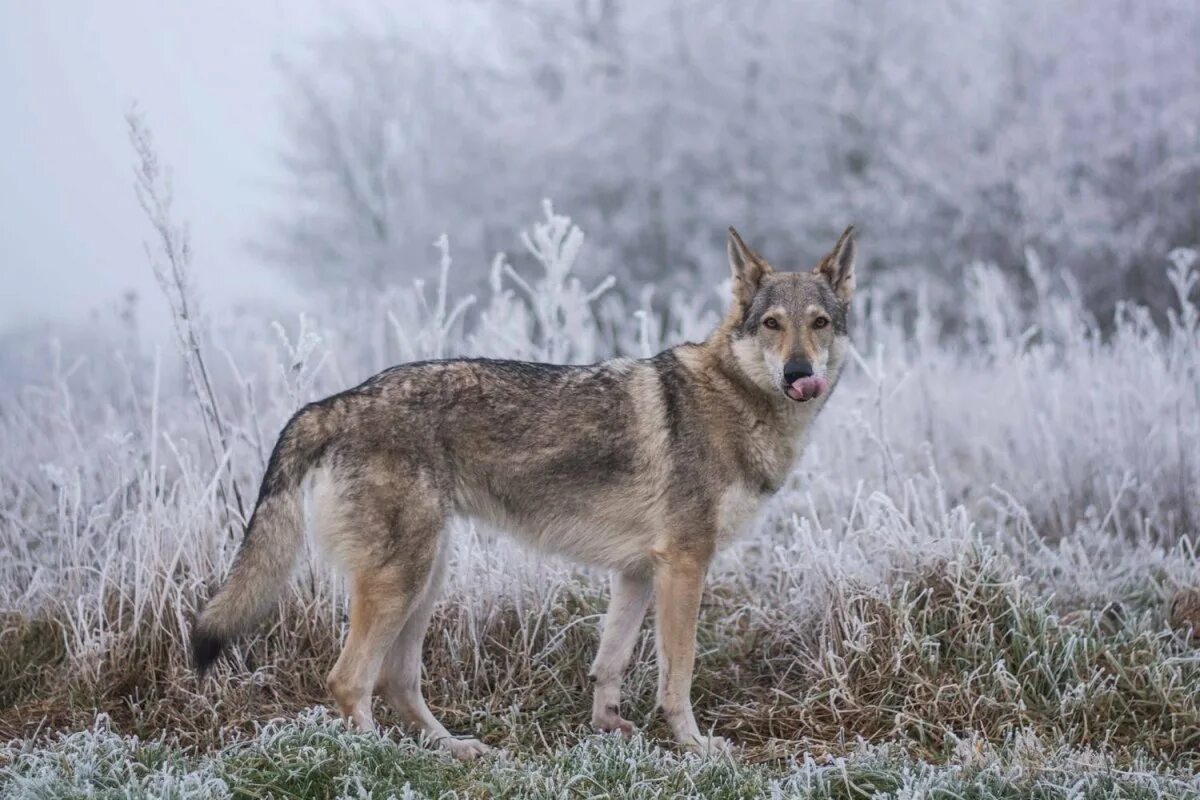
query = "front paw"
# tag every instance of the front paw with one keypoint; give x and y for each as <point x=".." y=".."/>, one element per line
<point x="465" y="749"/>
<point x="709" y="745"/>
<point x="607" y="720"/>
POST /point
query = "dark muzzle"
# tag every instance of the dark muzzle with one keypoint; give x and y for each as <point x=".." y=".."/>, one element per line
<point x="795" y="370"/>
<point x="799" y="383"/>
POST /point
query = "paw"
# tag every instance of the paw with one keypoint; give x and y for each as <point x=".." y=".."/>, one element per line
<point x="465" y="749"/>
<point x="360" y="720"/>
<point x="709" y="745"/>
<point x="608" y="720"/>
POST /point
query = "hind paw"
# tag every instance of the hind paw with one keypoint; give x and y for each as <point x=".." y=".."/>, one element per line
<point x="465" y="749"/>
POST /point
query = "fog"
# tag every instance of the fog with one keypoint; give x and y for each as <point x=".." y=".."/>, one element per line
<point x="71" y="231"/>
<point x="978" y="578"/>
<point x="322" y="145"/>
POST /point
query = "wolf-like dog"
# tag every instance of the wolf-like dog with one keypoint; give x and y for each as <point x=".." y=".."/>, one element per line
<point x="644" y="467"/>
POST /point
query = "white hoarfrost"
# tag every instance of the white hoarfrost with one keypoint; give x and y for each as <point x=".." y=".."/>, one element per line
<point x="1065" y="447"/>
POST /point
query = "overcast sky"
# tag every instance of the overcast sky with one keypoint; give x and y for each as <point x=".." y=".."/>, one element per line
<point x="203" y="74"/>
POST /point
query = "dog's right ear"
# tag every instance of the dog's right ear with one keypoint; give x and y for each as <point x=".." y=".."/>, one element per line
<point x="747" y="268"/>
<point x="838" y="266"/>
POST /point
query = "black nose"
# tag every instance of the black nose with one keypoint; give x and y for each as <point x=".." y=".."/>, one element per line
<point x="796" y="369"/>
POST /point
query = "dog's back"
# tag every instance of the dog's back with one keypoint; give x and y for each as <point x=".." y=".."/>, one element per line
<point x="563" y="456"/>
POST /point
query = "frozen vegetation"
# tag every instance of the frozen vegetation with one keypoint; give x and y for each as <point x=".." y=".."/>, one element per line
<point x="976" y="583"/>
<point x="948" y="132"/>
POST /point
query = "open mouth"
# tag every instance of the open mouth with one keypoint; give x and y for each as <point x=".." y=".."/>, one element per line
<point x="804" y="389"/>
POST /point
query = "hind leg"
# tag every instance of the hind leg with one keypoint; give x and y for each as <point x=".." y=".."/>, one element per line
<point x="387" y="538"/>
<point x="400" y="680"/>
<point x="380" y="602"/>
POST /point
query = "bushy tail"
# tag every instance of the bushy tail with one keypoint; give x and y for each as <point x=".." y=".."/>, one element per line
<point x="268" y="553"/>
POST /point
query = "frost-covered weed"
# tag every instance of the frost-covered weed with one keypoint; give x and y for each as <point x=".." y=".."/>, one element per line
<point x="980" y="540"/>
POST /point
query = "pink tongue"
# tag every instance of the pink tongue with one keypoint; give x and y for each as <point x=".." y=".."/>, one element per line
<point x="807" y="388"/>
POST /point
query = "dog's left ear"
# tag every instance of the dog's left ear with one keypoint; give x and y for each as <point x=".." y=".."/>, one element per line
<point x="838" y="266"/>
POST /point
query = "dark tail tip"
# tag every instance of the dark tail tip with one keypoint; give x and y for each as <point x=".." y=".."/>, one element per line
<point x="205" y="650"/>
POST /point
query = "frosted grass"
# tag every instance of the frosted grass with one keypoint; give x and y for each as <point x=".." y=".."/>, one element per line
<point x="1025" y="458"/>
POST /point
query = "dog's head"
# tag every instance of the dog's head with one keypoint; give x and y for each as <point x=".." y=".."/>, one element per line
<point x="788" y="329"/>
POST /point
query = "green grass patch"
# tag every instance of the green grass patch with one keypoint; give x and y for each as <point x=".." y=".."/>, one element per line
<point x="314" y="756"/>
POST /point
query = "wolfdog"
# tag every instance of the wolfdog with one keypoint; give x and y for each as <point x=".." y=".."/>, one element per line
<point x="643" y="467"/>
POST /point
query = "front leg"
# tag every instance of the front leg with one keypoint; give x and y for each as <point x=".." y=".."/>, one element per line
<point x="631" y="593"/>
<point x="678" y="584"/>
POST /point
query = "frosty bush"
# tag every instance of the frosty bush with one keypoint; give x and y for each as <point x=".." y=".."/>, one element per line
<point x="977" y="546"/>
<point x="947" y="132"/>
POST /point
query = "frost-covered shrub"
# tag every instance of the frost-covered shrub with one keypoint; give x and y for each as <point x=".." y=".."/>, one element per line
<point x="1064" y="458"/>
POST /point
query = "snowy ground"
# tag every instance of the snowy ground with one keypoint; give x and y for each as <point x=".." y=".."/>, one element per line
<point x="976" y="581"/>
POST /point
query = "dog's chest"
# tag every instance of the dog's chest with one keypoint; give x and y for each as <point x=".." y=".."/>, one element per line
<point x="765" y="457"/>
<point x="736" y="511"/>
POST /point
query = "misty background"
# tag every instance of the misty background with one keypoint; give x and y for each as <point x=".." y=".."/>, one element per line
<point x="984" y="563"/>
<point x="322" y="147"/>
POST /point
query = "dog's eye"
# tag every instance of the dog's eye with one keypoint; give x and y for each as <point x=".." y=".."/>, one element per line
<point x="772" y="323"/>
<point x="820" y="322"/>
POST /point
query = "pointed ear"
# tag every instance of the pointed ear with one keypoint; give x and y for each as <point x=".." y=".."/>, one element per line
<point x="747" y="268"/>
<point x="838" y="266"/>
